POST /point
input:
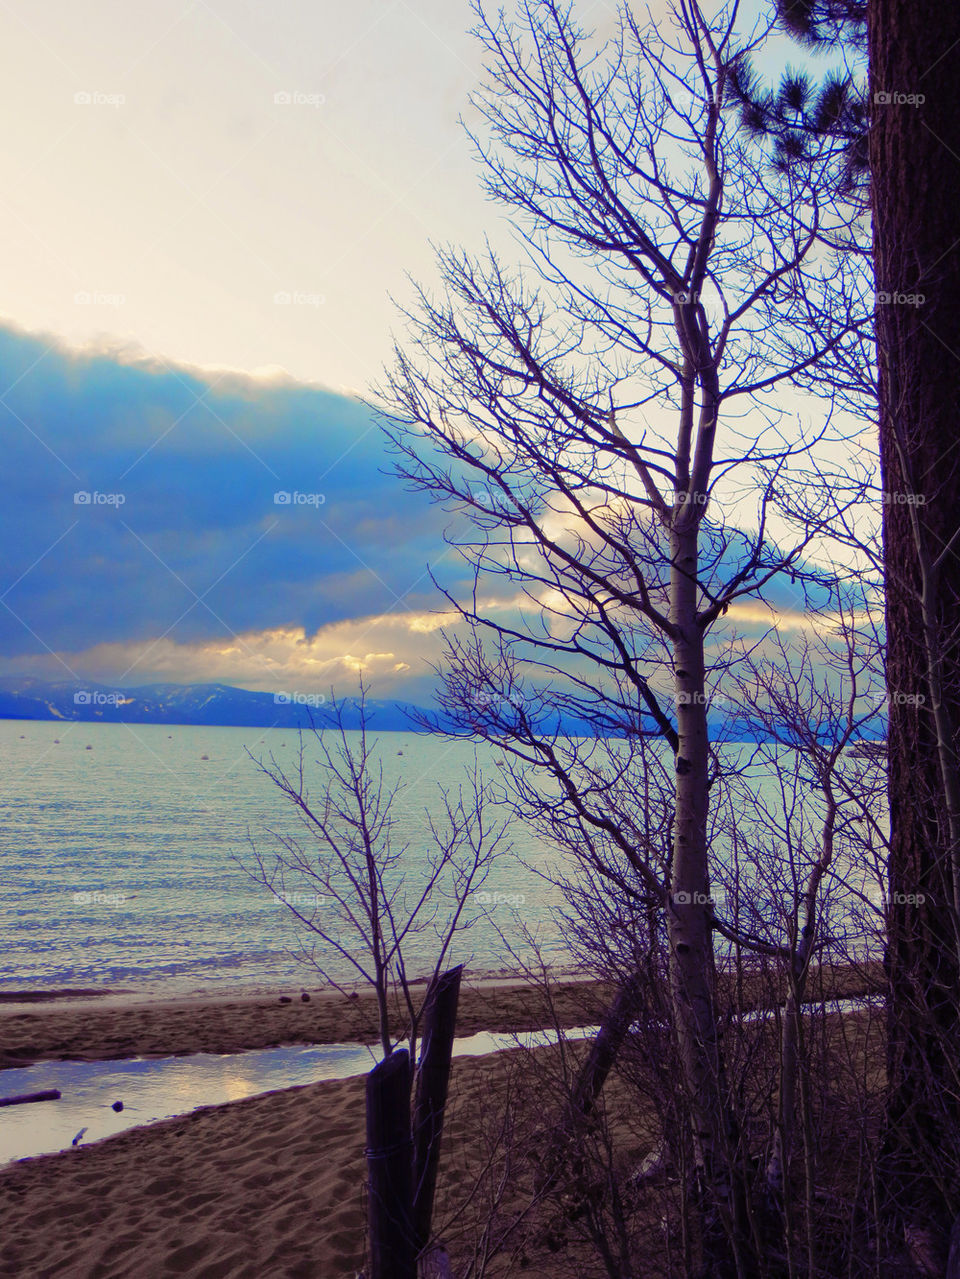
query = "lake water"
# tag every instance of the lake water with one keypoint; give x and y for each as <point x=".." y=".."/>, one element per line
<point x="117" y="848"/>
<point x="159" y="1088"/>
<point x="117" y="870"/>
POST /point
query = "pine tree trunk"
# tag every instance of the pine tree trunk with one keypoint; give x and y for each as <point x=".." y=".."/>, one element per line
<point x="915" y="163"/>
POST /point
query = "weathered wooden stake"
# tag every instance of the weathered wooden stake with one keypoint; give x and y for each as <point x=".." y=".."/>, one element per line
<point x="389" y="1169"/>
<point x="439" y="1025"/>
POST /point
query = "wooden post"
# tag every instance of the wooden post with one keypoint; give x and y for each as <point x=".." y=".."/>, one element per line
<point x="593" y="1074"/>
<point x="389" y="1164"/>
<point x="439" y="1024"/>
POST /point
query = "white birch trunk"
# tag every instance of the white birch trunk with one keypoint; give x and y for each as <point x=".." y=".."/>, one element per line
<point x="692" y="971"/>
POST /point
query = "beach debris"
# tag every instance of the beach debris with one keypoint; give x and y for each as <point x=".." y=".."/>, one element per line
<point x="48" y="1094"/>
<point x="285" y="999"/>
<point x="78" y="1138"/>
<point x="88" y="748"/>
<point x="204" y="756"/>
<point x="304" y="997"/>
<point x="117" y="1106"/>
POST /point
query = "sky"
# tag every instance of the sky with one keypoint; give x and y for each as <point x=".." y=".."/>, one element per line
<point x="176" y="169"/>
<point x="209" y="213"/>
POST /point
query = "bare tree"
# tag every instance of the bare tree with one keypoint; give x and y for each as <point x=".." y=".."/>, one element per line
<point x="364" y="900"/>
<point x="800" y="843"/>
<point x="615" y="437"/>
<point x="811" y="699"/>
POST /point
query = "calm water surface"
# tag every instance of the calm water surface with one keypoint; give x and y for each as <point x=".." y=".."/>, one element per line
<point x="116" y="862"/>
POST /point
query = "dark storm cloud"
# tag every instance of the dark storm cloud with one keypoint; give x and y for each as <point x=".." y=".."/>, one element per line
<point x="133" y="488"/>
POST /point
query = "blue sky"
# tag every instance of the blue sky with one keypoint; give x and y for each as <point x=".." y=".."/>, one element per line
<point x="208" y="209"/>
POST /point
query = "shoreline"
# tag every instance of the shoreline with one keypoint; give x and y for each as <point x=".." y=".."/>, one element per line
<point x="119" y="1025"/>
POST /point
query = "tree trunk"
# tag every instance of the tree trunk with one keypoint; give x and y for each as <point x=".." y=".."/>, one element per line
<point x="692" y="969"/>
<point x="915" y="163"/>
<point x="605" y="1048"/>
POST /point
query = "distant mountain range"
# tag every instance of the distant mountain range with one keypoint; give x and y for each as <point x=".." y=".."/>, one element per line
<point x="220" y="704"/>
<point x="212" y="704"/>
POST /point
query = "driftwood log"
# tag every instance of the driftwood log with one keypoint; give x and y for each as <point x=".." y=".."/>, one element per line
<point x="48" y="1094"/>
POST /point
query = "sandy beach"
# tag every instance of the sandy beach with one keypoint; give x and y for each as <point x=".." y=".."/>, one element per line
<point x="271" y="1186"/>
<point x="112" y="1027"/>
<point x="116" y="1026"/>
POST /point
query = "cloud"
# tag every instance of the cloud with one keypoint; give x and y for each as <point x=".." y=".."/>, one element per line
<point x="169" y="523"/>
<point x="388" y="650"/>
<point x="149" y="501"/>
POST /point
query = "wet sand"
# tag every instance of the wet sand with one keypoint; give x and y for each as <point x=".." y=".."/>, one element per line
<point x="112" y="1027"/>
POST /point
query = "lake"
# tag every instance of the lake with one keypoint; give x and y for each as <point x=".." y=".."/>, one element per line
<point x="117" y="847"/>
